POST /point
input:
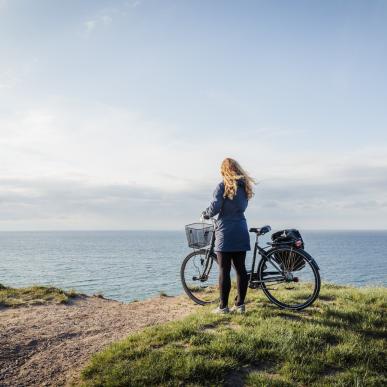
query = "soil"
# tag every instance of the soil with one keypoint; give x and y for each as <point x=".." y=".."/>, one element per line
<point x="48" y="345"/>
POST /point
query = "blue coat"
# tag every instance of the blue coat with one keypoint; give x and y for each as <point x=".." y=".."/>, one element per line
<point x="231" y="233"/>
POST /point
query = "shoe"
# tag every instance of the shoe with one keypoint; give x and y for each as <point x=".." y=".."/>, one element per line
<point x="219" y="310"/>
<point x="238" y="309"/>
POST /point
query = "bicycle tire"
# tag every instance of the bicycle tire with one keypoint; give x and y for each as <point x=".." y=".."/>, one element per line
<point x="309" y="261"/>
<point x="183" y="280"/>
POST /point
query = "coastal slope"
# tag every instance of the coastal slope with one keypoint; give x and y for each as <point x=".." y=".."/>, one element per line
<point x="339" y="341"/>
<point x="49" y="344"/>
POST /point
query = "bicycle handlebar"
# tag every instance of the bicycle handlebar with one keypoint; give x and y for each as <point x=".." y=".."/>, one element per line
<point x="204" y="216"/>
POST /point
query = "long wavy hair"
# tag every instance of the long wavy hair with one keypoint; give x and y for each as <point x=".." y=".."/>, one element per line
<point x="231" y="172"/>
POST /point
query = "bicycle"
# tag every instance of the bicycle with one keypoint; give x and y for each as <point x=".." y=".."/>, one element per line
<point x="286" y="273"/>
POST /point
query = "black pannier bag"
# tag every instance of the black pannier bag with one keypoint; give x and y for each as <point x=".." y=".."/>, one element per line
<point x="290" y="236"/>
<point x="290" y="261"/>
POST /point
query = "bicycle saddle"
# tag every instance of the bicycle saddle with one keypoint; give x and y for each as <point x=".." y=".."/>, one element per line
<point x="261" y="231"/>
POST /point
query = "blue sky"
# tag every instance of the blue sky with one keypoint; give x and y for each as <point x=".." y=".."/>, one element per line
<point x="117" y="114"/>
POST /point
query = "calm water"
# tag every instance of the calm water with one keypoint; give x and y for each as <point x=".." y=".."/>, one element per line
<point x="128" y="265"/>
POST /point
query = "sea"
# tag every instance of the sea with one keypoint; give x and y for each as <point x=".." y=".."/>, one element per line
<point x="134" y="265"/>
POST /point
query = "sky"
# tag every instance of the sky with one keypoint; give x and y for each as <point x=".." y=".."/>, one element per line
<point x="117" y="114"/>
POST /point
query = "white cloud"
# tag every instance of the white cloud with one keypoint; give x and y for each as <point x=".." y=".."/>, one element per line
<point x="9" y="79"/>
<point x="102" y="18"/>
<point x="106" y="19"/>
<point x="83" y="203"/>
<point x="78" y="165"/>
<point x="90" y="25"/>
<point x="133" y="3"/>
<point x="66" y="203"/>
<point x="105" y="16"/>
<point x="12" y="76"/>
<point x="106" y="142"/>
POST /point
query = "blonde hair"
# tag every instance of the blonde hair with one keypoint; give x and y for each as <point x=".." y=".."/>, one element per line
<point x="231" y="172"/>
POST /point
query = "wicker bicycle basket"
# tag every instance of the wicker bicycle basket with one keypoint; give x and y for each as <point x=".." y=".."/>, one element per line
<point x="199" y="234"/>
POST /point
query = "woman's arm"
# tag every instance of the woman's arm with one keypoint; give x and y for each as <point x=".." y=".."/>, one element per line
<point x="217" y="202"/>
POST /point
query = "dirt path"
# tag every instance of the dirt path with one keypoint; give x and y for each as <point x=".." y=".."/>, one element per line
<point x="49" y="344"/>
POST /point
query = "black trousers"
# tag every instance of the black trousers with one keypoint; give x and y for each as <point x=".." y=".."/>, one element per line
<point x="237" y="258"/>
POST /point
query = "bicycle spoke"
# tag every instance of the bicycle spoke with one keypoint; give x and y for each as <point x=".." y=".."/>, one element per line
<point x="201" y="278"/>
<point x="299" y="284"/>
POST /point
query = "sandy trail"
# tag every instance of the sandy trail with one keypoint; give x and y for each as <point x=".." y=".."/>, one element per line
<point x="49" y="344"/>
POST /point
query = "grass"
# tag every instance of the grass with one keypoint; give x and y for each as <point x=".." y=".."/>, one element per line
<point x="34" y="295"/>
<point x="339" y="341"/>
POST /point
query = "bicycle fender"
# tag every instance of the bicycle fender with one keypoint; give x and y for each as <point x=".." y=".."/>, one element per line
<point x="307" y="256"/>
<point x="310" y="258"/>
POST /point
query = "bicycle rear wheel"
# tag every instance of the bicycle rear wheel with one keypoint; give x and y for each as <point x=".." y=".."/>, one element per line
<point x="199" y="276"/>
<point x="296" y="285"/>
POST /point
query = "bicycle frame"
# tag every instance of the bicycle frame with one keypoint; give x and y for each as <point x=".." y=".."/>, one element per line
<point x="257" y="250"/>
<point x="262" y="252"/>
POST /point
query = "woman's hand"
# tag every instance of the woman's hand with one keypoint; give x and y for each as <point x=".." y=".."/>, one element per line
<point x="204" y="216"/>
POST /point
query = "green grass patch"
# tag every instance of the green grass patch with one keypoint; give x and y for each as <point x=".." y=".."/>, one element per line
<point x="339" y="341"/>
<point x="34" y="295"/>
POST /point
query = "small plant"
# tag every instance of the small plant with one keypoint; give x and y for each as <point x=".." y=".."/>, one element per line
<point x="72" y="293"/>
<point x="34" y="295"/>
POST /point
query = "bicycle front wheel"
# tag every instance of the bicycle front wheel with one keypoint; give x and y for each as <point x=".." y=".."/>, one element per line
<point x="199" y="276"/>
<point x="290" y="278"/>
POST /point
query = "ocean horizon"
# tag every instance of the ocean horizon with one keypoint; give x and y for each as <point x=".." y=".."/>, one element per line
<point x="180" y="229"/>
<point x="129" y="265"/>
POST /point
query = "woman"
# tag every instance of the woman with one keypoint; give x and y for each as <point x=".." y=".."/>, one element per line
<point x="232" y="238"/>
